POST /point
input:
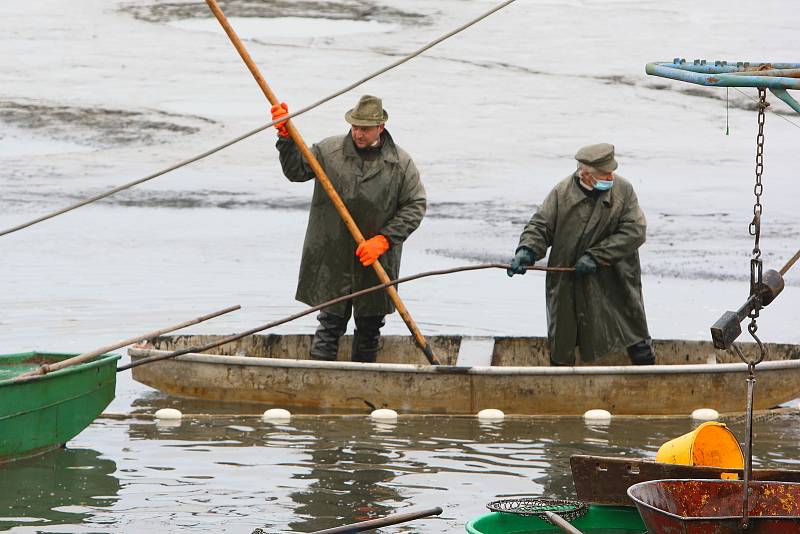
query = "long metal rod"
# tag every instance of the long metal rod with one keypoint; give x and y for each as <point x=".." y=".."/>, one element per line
<point x="716" y="77"/>
<point x="325" y="182"/>
<point x="371" y="524"/>
<point x="229" y="339"/>
<point x="251" y="133"/>
<point x="748" y="450"/>
<point x="47" y="368"/>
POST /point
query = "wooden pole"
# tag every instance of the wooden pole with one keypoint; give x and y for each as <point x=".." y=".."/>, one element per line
<point x="561" y="523"/>
<point x="790" y="263"/>
<point x="44" y="369"/>
<point x="381" y="522"/>
<point x="324" y="181"/>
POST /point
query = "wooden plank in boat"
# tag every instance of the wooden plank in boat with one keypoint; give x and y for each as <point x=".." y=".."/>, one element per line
<point x="475" y="351"/>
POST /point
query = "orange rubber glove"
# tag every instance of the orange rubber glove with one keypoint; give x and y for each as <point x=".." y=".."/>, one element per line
<point x="278" y="111"/>
<point x="370" y="250"/>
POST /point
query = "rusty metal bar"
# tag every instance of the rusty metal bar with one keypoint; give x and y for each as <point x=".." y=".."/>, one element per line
<point x="721" y="74"/>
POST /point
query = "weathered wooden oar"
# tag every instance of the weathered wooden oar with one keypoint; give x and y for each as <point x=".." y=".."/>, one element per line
<point x="47" y="368"/>
<point x="229" y="339"/>
<point x="344" y="213"/>
<point x="371" y="524"/>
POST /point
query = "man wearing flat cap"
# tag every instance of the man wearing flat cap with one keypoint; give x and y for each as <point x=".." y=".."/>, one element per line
<point x="591" y="220"/>
<point x="381" y="188"/>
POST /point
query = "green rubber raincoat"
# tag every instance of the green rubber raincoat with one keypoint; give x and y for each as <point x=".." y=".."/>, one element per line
<point x="603" y="312"/>
<point x="384" y="195"/>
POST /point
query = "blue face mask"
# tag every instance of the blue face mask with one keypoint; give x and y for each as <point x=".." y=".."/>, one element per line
<point x="603" y="185"/>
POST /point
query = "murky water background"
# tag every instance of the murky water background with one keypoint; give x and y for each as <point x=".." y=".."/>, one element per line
<point x="99" y="93"/>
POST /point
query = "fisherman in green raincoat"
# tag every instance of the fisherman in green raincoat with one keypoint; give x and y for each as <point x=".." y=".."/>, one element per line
<point x="381" y="188"/>
<point x="591" y="220"/>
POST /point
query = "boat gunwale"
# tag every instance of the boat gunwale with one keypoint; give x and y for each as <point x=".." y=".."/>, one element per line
<point x="639" y="502"/>
<point x="697" y="368"/>
<point x="103" y="359"/>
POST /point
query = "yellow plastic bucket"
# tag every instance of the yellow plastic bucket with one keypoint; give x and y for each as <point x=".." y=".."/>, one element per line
<point x="710" y="444"/>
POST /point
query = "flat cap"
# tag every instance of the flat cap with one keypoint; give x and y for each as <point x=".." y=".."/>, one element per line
<point x="599" y="156"/>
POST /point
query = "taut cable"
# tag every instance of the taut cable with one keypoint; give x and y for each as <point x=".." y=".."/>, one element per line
<point x="440" y="272"/>
<point x="254" y="131"/>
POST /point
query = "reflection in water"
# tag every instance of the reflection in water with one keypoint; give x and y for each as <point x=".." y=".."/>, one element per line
<point x="348" y="480"/>
<point x="234" y="474"/>
<point x="61" y="487"/>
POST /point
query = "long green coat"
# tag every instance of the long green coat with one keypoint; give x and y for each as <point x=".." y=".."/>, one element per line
<point x="603" y="312"/>
<point x="384" y="195"/>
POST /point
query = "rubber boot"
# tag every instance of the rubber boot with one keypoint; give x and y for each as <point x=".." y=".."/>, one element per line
<point x="366" y="338"/>
<point x="641" y="353"/>
<point x="325" y="344"/>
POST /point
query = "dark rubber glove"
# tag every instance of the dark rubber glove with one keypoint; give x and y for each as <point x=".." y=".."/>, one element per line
<point x="585" y="265"/>
<point x="522" y="258"/>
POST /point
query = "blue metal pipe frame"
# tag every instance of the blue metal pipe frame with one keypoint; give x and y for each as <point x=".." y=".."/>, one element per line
<point x="723" y="74"/>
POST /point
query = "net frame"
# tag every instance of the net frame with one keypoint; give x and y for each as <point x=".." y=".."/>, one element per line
<point x="536" y="506"/>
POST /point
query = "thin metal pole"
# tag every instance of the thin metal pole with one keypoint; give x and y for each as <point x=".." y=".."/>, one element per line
<point x="748" y="450"/>
<point x="229" y="339"/>
<point x="325" y="182"/>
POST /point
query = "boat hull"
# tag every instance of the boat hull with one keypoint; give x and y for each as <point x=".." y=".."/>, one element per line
<point x="42" y="413"/>
<point x="455" y="389"/>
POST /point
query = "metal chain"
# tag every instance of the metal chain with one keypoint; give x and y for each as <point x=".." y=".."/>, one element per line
<point x="756" y="267"/>
<point x="755" y="293"/>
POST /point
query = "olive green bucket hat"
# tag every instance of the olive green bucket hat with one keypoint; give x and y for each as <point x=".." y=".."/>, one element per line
<point x="368" y="112"/>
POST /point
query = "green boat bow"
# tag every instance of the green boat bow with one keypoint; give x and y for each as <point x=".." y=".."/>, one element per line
<point x="41" y="413"/>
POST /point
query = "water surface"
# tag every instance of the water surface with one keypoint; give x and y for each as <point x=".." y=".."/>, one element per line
<point x="233" y="474"/>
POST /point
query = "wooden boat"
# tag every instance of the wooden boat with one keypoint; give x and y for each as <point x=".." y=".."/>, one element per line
<point x="618" y="519"/>
<point x="715" y="506"/>
<point x="507" y="373"/>
<point x="605" y="480"/>
<point x="42" y="413"/>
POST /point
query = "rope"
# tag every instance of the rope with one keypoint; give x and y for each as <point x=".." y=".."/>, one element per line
<point x="337" y="300"/>
<point x="256" y="130"/>
<point x="770" y="109"/>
